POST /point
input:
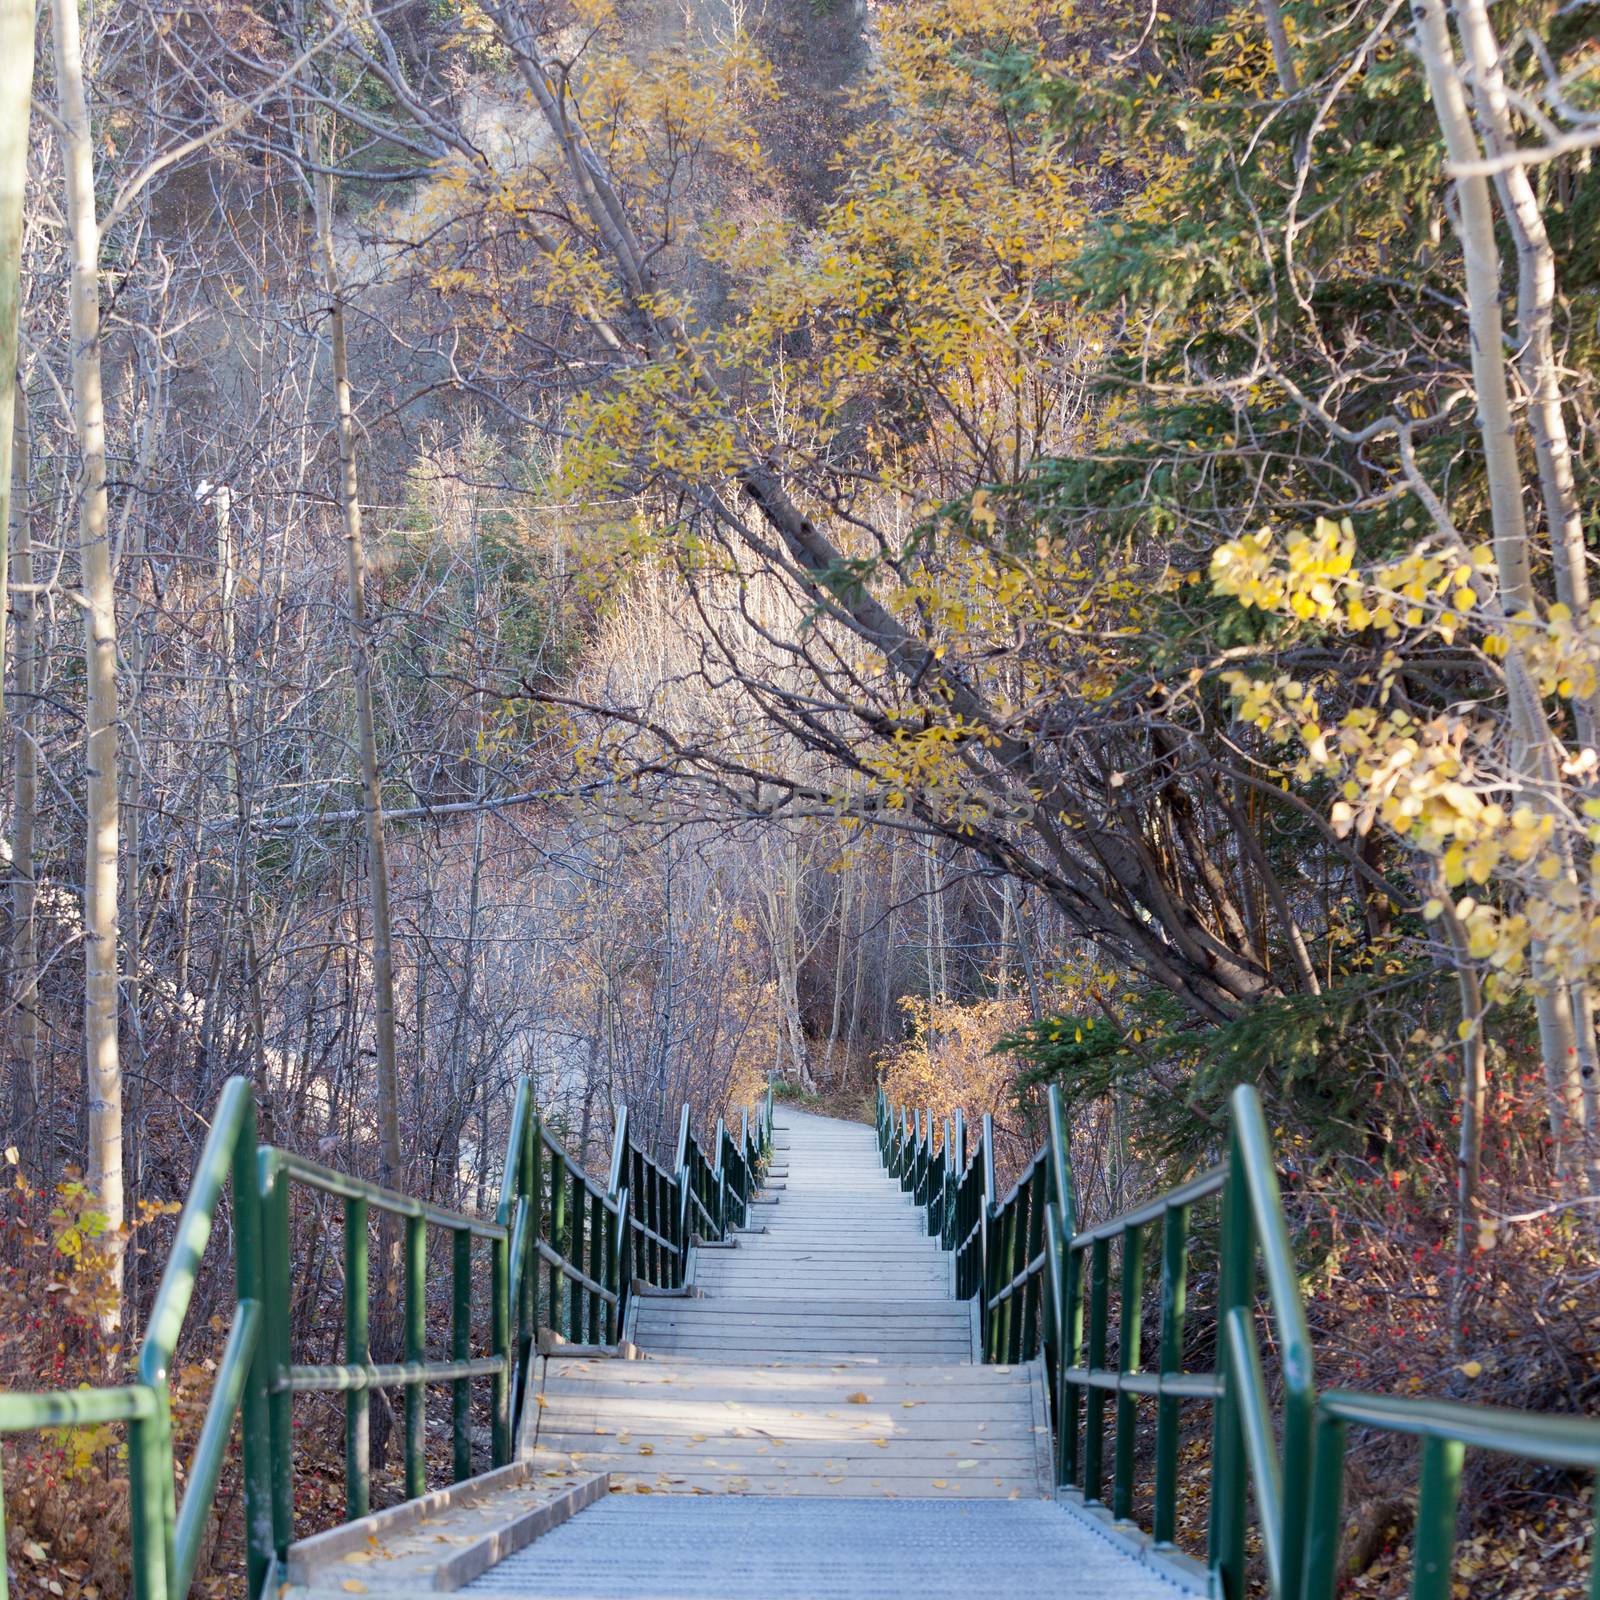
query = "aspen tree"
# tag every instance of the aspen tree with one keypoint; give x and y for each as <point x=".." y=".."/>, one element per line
<point x="102" y="821"/>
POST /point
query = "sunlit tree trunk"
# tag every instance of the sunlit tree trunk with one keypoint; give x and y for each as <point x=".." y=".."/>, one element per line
<point x="102" y="823"/>
<point x="1560" y="1006"/>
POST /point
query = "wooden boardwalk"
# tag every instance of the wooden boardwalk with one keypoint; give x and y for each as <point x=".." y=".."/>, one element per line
<point x="808" y="1416"/>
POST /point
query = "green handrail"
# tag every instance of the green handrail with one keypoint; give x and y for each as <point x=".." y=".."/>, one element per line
<point x="1044" y="1290"/>
<point x="564" y="1251"/>
<point x="166" y="1539"/>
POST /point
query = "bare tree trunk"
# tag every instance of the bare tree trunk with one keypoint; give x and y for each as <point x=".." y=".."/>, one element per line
<point x="1537" y="363"/>
<point x="1282" y="53"/>
<point x="1536" y="298"/>
<point x="16" y="87"/>
<point x="24" y="893"/>
<point x="102" y="825"/>
<point x="841" y="937"/>
<point x="386" y="1332"/>
<point x="366" y="735"/>
<point x="16" y="90"/>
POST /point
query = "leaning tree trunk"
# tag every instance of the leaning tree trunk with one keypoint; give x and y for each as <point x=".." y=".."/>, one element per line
<point x="102" y="822"/>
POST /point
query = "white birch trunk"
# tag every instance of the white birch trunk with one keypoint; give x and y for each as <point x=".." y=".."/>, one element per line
<point x="1534" y="744"/>
<point x="100" y="932"/>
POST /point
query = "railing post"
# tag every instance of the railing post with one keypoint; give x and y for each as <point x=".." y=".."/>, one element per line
<point x="958" y="1168"/>
<point x="1128" y="1333"/>
<point x="558" y="1233"/>
<point x="1325" y="1518"/>
<point x="1174" y="1295"/>
<point x="1435" y="1542"/>
<point x="573" y="1251"/>
<point x="357" y="1402"/>
<point x="461" y="1350"/>
<point x="527" y="1290"/>
<point x="599" y="1216"/>
<point x="1071" y="1353"/>
<point x="722" y="1183"/>
<point x="986" y="1218"/>
<point x="1094" y="1405"/>
<point x="500" y="1339"/>
<point x="1027" y="1339"/>
<point x="150" y="1482"/>
<point x="274" y="1190"/>
<point x="1228" y="1478"/>
<point x="1061" y="1161"/>
<point x="615" y="1277"/>
<point x="416" y="1349"/>
<point x="249" y="1284"/>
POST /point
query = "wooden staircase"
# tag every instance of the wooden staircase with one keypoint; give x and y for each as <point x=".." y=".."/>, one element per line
<point x="810" y="1411"/>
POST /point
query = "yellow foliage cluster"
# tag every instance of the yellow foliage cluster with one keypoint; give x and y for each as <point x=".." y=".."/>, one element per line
<point x="1442" y="784"/>
<point x="947" y="1063"/>
<point x="1313" y="578"/>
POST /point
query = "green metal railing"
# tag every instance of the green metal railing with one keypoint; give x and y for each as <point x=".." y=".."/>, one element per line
<point x="563" y="1253"/>
<point x="165" y="1536"/>
<point x="1045" y="1291"/>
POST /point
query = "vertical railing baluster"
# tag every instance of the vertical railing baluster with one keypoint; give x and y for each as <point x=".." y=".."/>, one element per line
<point x="357" y="1402"/>
<point x="1071" y="1356"/>
<point x="249" y="1272"/>
<point x="1325" y="1512"/>
<point x="528" y="1291"/>
<point x="985" y="1221"/>
<point x="149" y="1473"/>
<point x="1174" y="1296"/>
<point x="1433" y="1548"/>
<point x="577" y="1219"/>
<point x="558" y="1235"/>
<point x="597" y="1265"/>
<point x="500" y="1339"/>
<point x="1095" y="1400"/>
<point x="461" y="1350"/>
<point x="416" y="1350"/>
<point x="279" y="1296"/>
<point x="1128" y="1341"/>
<point x="1226" y="1531"/>
<point x="616" y="1276"/>
<point x="1029" y="1341"/>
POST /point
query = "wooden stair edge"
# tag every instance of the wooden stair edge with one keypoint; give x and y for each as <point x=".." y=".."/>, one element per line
<point x="317" y="1565"/>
